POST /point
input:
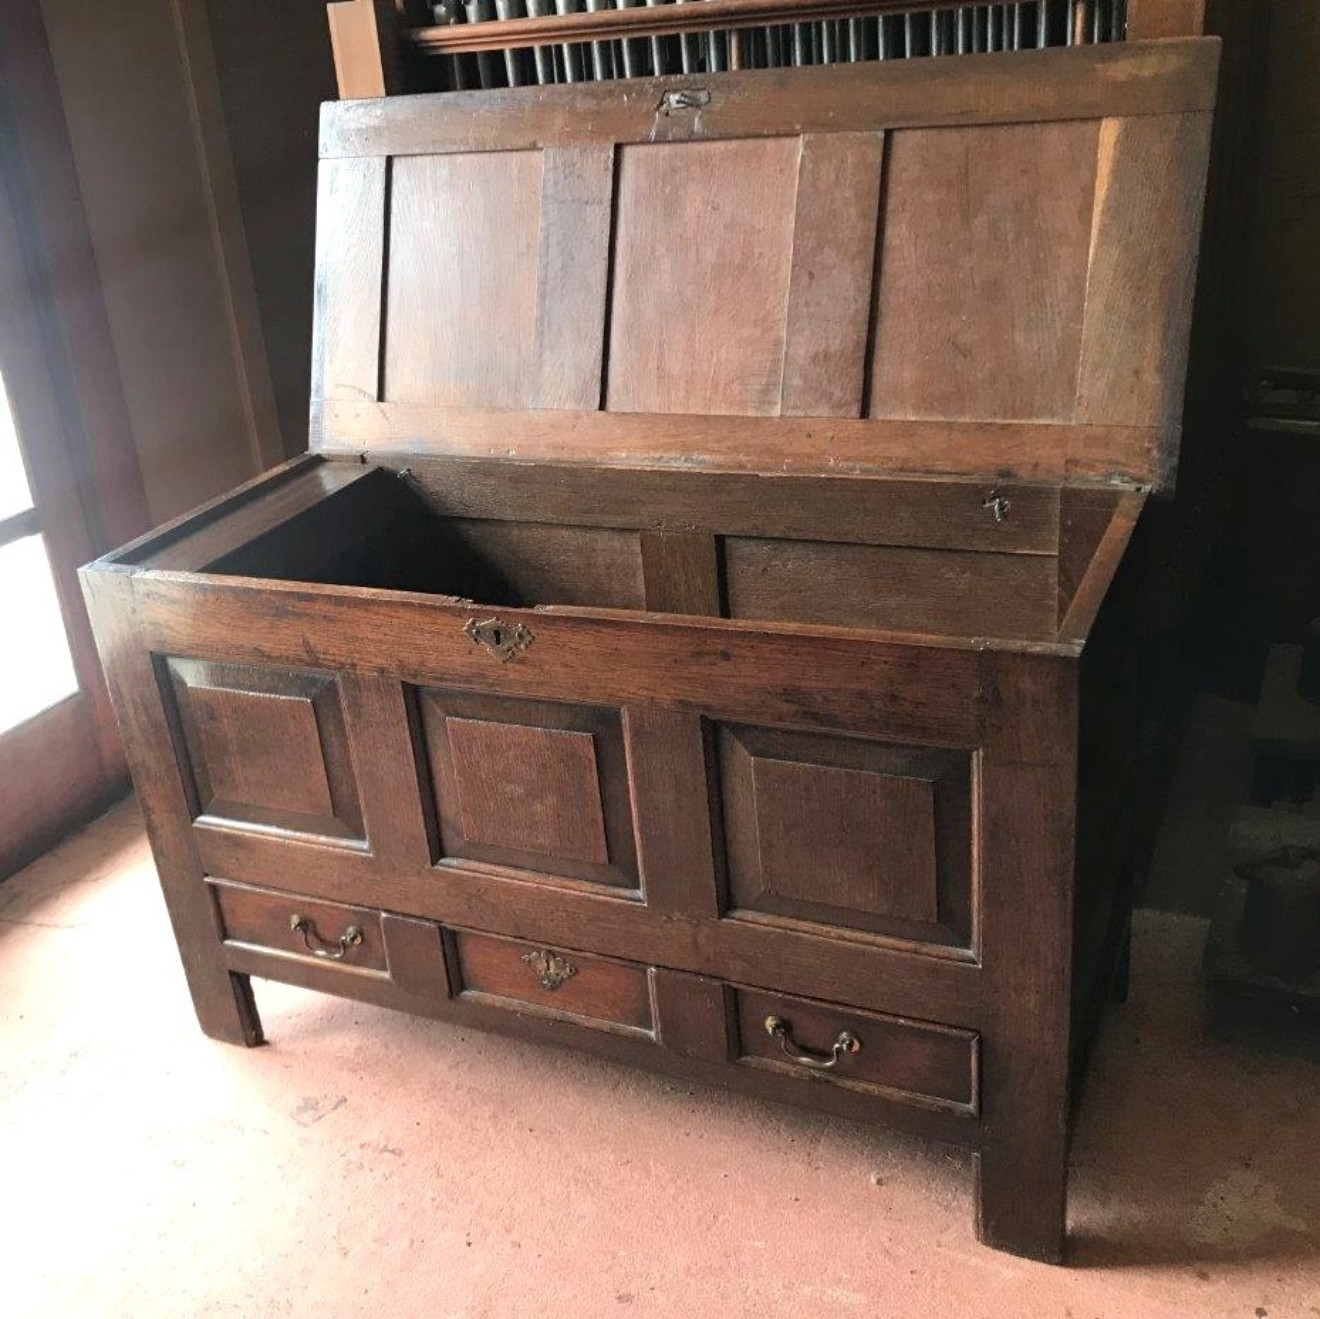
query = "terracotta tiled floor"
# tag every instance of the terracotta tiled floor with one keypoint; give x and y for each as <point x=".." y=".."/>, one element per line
<point x="369" y="1164"/>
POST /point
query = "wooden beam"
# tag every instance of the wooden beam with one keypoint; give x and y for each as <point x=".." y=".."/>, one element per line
<point x="1092" y="82"/>
<point x="709" y="16"/>
<point x="364" y="36"/>
<point x="35" y="142"/>
<point x="1023" y="451"/>
<point x="26" y="523"/>
<point x="224" y="216"/>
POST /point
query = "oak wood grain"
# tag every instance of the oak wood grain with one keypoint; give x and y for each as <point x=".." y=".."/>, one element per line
<point x="858" y="681"/>
<point x="675" y="509"/>
<point x="847" y="833"/>
<point x="806" y="962"/>
<point x="703" y="250"/>
<point x="983" y="272"/>
<point x="1095" y="575"/>
<point x="920" y="1062"/>
<point x="853" y="802"/>
<point x="222" y="998"/>
<point x="350" y="253"/>
<point x="834" y="247"/>
<point x="572" y="276"/>
<point x="632" y="1048"/>
<point x="465" y="236"/>
<point x="271" y="505"/>
<point x="540" y="786"/>
<point x="672" y="803"/>
<point x="943" y="591"/>
<point x="681" y="572"/>
<point x="499" y="562"/>
<point x="263" y="918"/>
<point x="494" y="767"/>
<point x="595" y="989"/>
<point x="1012" y="451"/>
<point x="1149" y="196"/>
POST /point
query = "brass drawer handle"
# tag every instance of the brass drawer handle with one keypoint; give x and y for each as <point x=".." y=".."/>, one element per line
<point x="332" y="952"/>
<point x="844" y="1042"/>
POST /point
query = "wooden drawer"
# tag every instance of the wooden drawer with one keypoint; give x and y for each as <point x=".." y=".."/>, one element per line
<point x="915" y="1061"/>
<point x="328" y="932"/>
<point x="550" y="981"/>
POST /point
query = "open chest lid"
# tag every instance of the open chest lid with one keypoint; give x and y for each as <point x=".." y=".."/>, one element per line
<point x="967" y="267"/>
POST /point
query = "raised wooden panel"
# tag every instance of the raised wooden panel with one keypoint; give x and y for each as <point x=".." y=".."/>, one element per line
<point x="260" y="747"/>
<point x="551" y="980"/>
<point x="512" y="783"/>
<point x="464" y="242"/>
<point x="534" y="785"/>
<point x="982" y="279"/>
<point x="949" y="592"/>
<point x="846" y="832"/>
<point x="877" y="852"/>
<point x="914" y="1061"/>
<point x="265" y="747"/>
<point x="703" y="252"/>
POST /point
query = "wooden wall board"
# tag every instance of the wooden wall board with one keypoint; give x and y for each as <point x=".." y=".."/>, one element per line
<point x="834" y="242"/>
<point x="463" y="235"/>
<point x="983" y="270"/>
<point x="703" y="256"/>
<point x="350" y="251"/>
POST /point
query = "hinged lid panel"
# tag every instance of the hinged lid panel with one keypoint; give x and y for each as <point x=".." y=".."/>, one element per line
<point x="979" y="266"/>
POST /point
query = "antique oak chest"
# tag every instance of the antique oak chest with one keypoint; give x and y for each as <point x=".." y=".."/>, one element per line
<point x="684" y="638"/>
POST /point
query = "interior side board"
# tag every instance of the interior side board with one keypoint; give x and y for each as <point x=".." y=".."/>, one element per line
<point x="945" y="558"/>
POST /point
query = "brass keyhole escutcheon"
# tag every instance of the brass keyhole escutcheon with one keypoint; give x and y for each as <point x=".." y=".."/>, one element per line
<point x="501" y="639"/>
<point x="685" y="98"/>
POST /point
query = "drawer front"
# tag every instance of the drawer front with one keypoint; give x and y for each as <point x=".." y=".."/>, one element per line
<point x="346" y="936"/>
<point x="917" y="1062"/>
<point x="597" y="991"/>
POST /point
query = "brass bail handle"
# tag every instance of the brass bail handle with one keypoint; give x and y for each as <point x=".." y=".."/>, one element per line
<point x="321" y="947"/>
<point x="844" y="1043"/>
